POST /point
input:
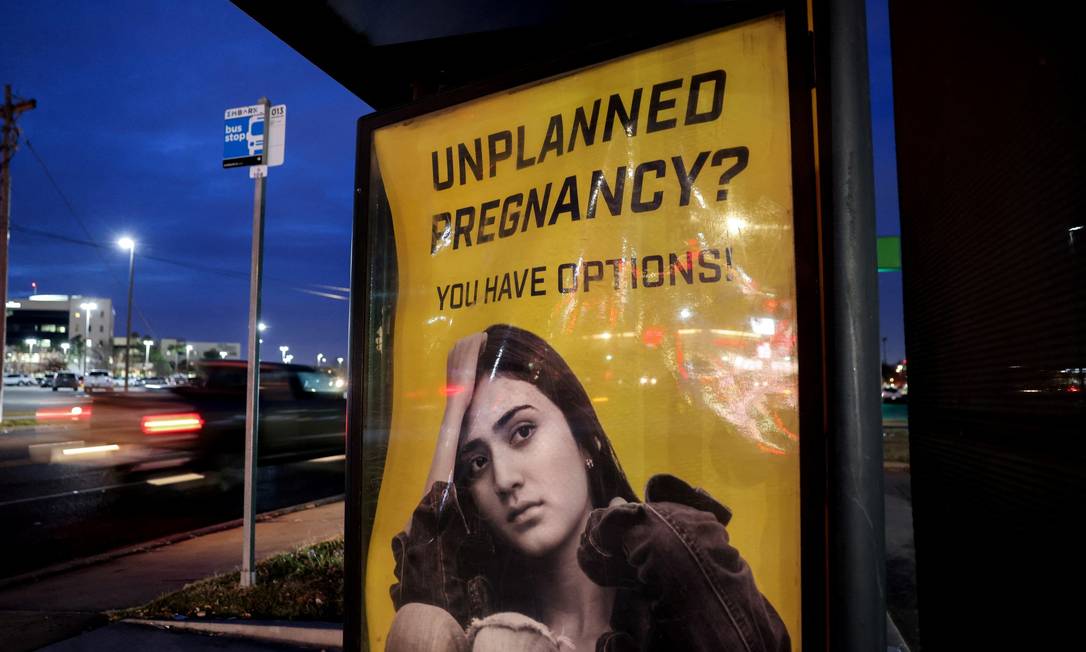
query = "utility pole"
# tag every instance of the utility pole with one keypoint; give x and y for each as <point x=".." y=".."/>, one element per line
<point x="8" y="112"/>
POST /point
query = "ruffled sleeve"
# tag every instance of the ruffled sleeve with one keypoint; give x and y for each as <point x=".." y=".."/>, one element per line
<point x="433" y="561"/>
<point x="673" y="550"/>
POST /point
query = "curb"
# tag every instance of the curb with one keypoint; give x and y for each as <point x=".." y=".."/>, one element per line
<point x="323" y="637"/>
<point x="64" y="567"/>
<point x="894" y="640"/>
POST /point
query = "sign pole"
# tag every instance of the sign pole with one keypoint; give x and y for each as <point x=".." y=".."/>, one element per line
<point x="252" y="395"/>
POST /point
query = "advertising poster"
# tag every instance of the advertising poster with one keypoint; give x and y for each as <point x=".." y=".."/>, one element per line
<point x="594" y="430"/>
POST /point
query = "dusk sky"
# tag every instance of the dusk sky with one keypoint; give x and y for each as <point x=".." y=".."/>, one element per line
<point x="129" y="120"/>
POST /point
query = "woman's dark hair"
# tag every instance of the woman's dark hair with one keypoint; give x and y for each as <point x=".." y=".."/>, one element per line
<point x="518" y="354"/>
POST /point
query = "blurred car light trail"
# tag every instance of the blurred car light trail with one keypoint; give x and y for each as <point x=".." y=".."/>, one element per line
<point x="87" y="450"/>
<point x="175" y="479"/>
<point x="156" y="424"/>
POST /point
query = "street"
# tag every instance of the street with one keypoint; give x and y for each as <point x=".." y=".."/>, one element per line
<point x="25" y="401"/>
<point x="58" y="507"/>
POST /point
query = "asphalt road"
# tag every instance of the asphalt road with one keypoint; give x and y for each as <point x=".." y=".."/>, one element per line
<point x="56" y="507"/>
<point x="25" y="401"/>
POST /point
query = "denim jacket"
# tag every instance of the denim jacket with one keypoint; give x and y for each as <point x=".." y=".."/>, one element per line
<point x="679" y="584"/>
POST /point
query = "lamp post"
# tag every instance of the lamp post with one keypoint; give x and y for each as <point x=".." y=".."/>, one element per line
<point x="223" y="354"/>
<point x="87" y="308"/>
<point x="188" y="351"/>
<point x="130" y="245"/>
<point x="283" y="352"/>
<point x="64" y="346"/>
<point x="320" y="356"/>
<point x="30" y="342"/>
<point x="147" y="356"/>
<point x="339" y="362"/>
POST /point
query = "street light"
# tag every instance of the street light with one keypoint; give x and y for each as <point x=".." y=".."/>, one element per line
<point x="223" y="354"/>
<point x="129" y="244"/>
<point x="188" y="350"/>
<point x="320" y="356"/>
<point x="283" y="352"/>
<point x="147" y="355"/>
<point x="30" y="341"/>
<point x="87" y="308"/>
<point x="339" y="361"/>
<point x="64" y="346"/>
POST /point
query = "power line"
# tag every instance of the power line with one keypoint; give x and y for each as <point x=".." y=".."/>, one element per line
<point x="79" y="221"/>
<point x="180" y="263"/>
<point x="99" y="247"/>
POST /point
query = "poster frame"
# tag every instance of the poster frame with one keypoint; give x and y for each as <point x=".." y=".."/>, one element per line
<point x="368" y="400"/>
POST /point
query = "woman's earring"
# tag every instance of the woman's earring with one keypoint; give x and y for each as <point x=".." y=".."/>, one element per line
<point x="589" y="463"/>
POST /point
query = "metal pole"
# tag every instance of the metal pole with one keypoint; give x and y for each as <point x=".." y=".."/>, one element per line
<point x="86" y="344"/>
<point x="857" y="529"/>
<point x="128" y="320"/>
<point x="252" y="396"/>
<point x="8" y="139"/>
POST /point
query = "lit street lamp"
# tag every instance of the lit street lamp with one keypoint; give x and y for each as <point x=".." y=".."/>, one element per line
<point x="30" y="341"/>
<point x="283" y="352"/>
<point x="223" y="354"/>
<point x="130" y="245"/>
<point x="147" y="355"/>
<point x="339" y="361"/>
<point x="188" y="351"/>
<point x="87" y="308"/>
<point x="64" y="346"/>
<point x="320" y="356"/>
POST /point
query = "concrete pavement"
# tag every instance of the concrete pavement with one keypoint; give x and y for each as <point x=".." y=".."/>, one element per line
<point x="66" y="604"/>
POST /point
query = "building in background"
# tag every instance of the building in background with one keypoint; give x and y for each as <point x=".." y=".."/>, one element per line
<point x="47" y="332"/>
<point x="167" y="355"/>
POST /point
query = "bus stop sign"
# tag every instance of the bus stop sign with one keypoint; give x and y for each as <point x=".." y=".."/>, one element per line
<point x="243" y="140"/>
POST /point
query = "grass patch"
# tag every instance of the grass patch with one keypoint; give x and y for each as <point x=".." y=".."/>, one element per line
<point x="306" y="584"/>
<point x="18" y="422"/>
<point x="895" y="445"/>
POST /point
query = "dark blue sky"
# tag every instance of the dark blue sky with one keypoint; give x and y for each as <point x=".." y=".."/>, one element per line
<point x="891" y="318"/>
<point x="130" y="110"/>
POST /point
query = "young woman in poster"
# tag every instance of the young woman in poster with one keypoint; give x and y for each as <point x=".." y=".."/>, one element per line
<point x="529" y="537"/>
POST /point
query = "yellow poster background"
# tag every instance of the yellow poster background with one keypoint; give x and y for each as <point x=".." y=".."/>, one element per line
<point x="693" y="379"/>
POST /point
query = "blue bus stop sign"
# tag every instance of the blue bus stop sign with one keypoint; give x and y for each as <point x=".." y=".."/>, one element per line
<point x="243" y="140"/>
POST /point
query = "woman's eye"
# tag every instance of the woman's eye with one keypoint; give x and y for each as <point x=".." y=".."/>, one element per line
<point x="477" y="463"/>
<point x="522" y="432"/>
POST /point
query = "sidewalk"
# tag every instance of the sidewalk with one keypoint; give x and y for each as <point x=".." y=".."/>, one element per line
<point x="70" y="603"/>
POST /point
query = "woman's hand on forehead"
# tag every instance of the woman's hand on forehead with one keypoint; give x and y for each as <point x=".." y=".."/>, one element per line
<point x="461" y="367"/>
<point x="459" y="385"/>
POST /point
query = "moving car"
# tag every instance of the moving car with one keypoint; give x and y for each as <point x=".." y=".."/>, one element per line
<point x="17" y="380"/>
<point x="302" y="416"/>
